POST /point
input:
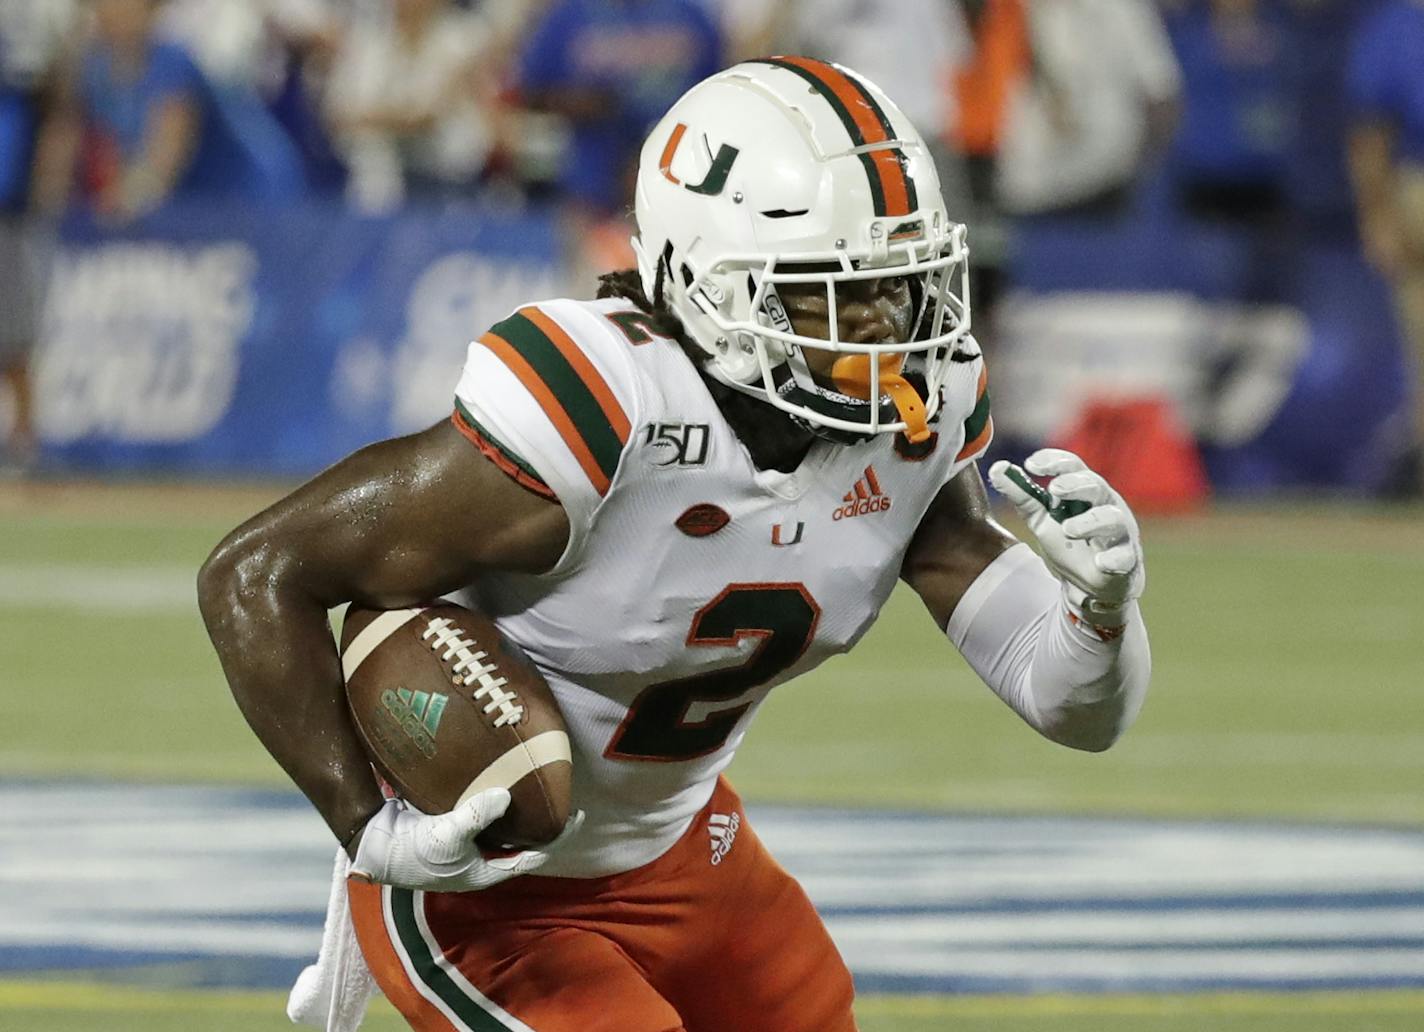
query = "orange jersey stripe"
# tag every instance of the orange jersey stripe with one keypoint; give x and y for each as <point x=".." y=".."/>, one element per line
<point x="976" y="445"/>
<point x="368" y="916"/>
<point x="551" y="406"/>
<point x="592" y="379"/>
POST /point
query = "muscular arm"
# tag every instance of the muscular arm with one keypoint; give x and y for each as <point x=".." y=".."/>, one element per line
<point x="392" y="525"/>
<point x="955" y="542"/>
<point x="1011" y="618"/>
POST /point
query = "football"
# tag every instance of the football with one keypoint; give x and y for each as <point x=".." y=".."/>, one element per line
<point x="446" y="708"/>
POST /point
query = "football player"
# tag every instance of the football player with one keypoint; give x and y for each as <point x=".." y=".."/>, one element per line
<point x="674" y="498"/>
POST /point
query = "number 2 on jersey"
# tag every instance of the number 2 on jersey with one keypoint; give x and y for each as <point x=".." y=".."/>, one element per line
<point x="680" y="720"/>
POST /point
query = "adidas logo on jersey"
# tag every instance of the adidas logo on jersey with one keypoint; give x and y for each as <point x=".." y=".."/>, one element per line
<point x="865" y="498"/>
<point x="417" y="714"/>
<point x="723" y="829"/>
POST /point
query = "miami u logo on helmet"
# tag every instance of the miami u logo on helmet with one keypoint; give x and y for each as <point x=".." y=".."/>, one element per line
<point x="716" y="177"/>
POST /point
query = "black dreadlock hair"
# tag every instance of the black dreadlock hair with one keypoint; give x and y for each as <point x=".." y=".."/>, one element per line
<point x="626" y="283"/>
<point x="769" y="435"/>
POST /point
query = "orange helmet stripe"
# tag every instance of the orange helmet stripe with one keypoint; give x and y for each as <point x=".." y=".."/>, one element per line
<point x="866" y="123"/>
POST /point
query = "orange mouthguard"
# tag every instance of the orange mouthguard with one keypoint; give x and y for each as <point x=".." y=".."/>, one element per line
<point x="851" y="375"/>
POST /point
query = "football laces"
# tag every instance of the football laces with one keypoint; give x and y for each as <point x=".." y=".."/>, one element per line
<point x="470" y="668"/>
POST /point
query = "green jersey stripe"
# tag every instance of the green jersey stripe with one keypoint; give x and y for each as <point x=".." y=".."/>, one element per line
<point x="974" y="425"/>
<point x="469" y="1011"/>
<point x="564" y="382"/>
<point x="495" y="443"/>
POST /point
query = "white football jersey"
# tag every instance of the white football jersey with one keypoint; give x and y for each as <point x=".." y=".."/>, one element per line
<point x="693" y="582"/>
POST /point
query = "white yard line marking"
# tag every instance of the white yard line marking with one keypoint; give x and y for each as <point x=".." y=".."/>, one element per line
<point x="99" y="589"/>
<point x="1004" y="904"/>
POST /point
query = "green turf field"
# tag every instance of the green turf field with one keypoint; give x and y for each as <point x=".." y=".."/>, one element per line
<point x="1289" y="655"/>
<point x="1288" y="650"/>
<point x="89" y="1007"/>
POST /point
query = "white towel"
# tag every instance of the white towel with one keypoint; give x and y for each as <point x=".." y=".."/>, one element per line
<point x="333" y="993"/>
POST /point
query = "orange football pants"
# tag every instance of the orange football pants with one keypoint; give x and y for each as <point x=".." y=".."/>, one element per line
<point x="679" y="945"/>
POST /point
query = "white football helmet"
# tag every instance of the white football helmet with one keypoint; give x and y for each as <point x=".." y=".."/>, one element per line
<point x="791" y="170"/>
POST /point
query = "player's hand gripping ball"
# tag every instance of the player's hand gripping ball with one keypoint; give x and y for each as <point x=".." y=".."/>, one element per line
<point x="447" y="711"/>
<point x="1089" y="537"/>
<point x="402" y="847"/>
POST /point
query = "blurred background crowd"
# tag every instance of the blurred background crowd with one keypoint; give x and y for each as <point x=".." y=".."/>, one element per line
<point x="1282" y="123"/>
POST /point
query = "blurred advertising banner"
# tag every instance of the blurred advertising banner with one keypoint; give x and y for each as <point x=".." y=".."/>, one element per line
<point x="242" y="341"/>
<point x="254" y="341"/>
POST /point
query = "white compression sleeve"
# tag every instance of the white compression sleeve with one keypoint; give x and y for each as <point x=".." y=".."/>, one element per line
<point x="1017" y="630"/>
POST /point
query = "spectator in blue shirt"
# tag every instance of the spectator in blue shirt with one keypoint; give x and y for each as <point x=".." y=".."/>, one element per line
<point x="143" y="115"/>
<point x="1232" y="151"/>
<point x="611" y="68"/>
<point x="1386" y="86"/>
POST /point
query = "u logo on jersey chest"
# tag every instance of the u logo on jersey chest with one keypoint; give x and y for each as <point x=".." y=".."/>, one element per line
<point x="783" y="534"/>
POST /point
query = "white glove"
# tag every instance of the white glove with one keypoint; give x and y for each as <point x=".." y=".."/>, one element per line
<point x="403" y="847"/>
<point x="1088" y="535"/>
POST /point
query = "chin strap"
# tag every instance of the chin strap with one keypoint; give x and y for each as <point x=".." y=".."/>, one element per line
<point x="851" y="375"/>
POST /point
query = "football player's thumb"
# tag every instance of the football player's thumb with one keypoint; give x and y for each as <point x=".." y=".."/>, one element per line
<point x="451" y="836"/>
<point x="1013" y="483"/>
<point x="1119" y="560"/>
<point x="532" y="859"/>
<point x="481" y="810"/>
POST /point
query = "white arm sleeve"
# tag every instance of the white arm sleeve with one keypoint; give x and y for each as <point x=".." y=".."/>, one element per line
<point x="1017" y="630"/>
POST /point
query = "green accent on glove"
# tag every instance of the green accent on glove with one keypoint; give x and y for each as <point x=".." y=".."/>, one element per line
<point x="1063" y="510"/>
